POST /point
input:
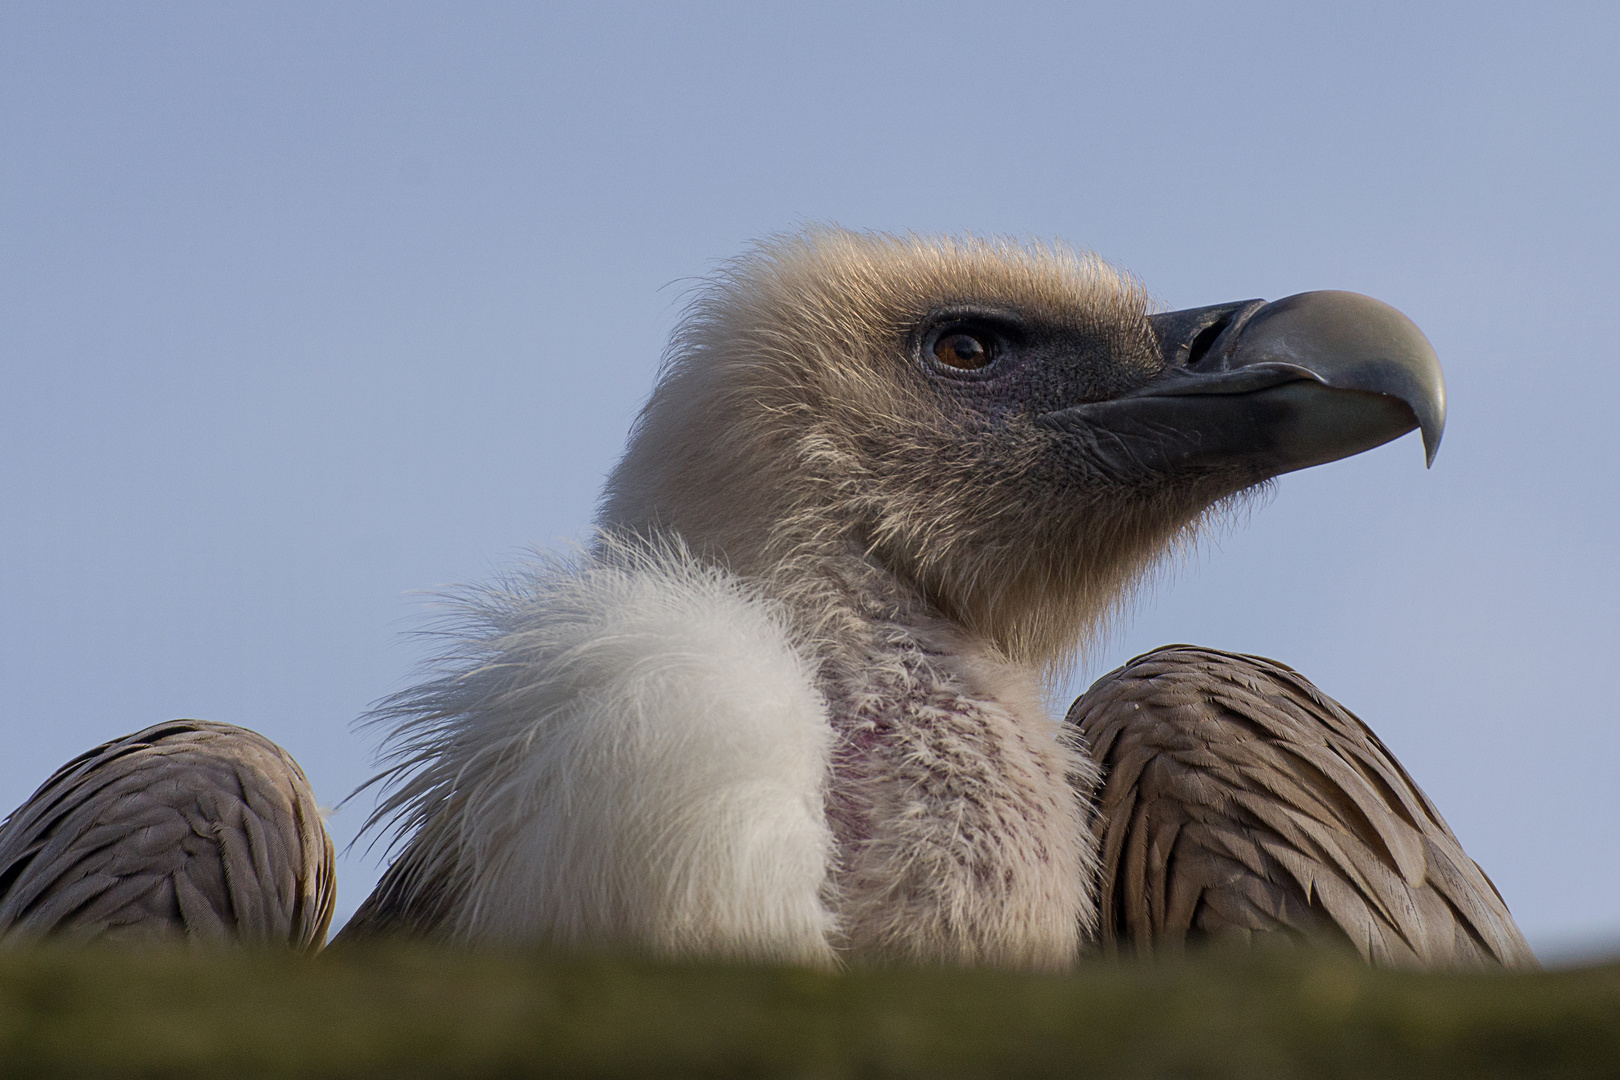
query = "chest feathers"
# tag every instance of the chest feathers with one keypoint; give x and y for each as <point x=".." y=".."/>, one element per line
<point x="958" y="809"/>
<point x="631" y="748"/>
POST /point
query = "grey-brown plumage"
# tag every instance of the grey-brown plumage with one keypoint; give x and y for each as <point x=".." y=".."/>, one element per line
<point x="1239" y="801"/>
<point x="187" y="829"/>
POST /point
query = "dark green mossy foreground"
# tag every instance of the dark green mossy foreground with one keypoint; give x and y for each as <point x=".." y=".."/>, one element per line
<point x="420" y="1012"/>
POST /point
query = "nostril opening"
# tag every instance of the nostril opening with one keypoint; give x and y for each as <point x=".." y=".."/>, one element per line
<point x="1201" y="344"/>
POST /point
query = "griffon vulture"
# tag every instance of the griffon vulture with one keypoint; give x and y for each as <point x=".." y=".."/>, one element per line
<point x="787" y="704"/>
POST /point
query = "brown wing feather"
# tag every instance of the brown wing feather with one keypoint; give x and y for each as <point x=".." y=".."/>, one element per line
<point x="186" y="829"/>
<point x="1239" y="800"/>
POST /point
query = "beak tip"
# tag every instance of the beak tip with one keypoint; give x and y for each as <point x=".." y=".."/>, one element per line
<point x="1432" y="428"/>
<point x="1434" y="424"/>
<point x="1355" y="342"/>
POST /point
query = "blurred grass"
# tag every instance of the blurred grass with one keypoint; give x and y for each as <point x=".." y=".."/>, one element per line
<point x="422" y="1012"/>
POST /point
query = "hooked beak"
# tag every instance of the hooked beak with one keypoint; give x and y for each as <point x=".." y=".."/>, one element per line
<point x="1266" y="389"/>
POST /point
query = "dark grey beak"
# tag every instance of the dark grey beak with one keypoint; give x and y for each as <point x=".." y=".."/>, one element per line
<point x="1266" y="389"/>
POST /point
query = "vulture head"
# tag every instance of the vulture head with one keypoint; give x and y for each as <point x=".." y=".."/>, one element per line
<point x="1002" y="435"/>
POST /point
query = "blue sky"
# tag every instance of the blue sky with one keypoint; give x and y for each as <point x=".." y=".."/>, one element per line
<point x="307" y="308"/>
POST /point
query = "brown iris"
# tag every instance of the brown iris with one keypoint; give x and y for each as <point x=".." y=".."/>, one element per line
<point x="961" y="350"/>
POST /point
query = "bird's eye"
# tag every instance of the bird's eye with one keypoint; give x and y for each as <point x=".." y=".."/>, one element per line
<point x="961" y="350"/>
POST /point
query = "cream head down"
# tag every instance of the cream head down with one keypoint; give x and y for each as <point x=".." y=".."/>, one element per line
<point x="814" y="413"/>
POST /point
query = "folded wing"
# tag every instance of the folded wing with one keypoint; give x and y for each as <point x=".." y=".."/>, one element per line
<point x="1240" y="802"/>
<point x="186" y="830"/>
